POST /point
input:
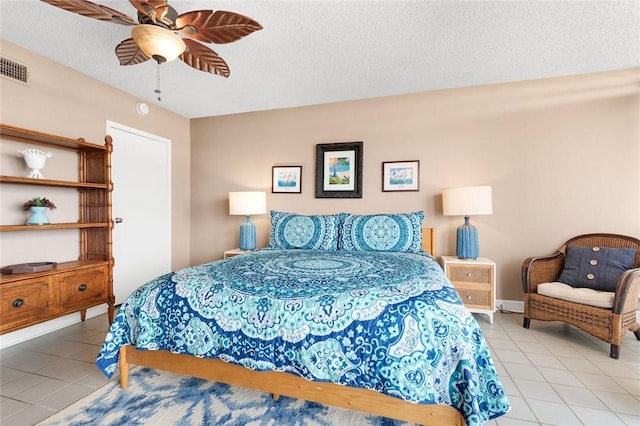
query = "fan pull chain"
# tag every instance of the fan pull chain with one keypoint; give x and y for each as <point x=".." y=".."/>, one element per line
<point x="158" y="91"/>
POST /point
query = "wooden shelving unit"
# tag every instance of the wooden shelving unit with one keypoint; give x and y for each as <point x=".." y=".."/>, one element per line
<point x="74" y="285"/>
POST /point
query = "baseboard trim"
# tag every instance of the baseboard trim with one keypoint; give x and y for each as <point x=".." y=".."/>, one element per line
<point x="41" y="329"/>
<point x="510" y="305"/>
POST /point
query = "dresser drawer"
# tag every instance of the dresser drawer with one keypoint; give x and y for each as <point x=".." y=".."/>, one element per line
<point x="470" y="273"/>
<point x="22" y="302"/>
<point x="81" y="288"/>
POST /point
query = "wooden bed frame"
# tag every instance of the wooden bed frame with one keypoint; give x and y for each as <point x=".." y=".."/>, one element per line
<point x="279" y="383"/>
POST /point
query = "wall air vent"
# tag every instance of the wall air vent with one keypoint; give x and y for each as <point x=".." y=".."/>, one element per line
<point x="14" y="71"/>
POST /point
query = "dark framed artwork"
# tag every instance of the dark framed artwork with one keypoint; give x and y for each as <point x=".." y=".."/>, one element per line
<point x="286" y="179"/>
<point x="339" y="170"/>
<point x="401" y="176"/>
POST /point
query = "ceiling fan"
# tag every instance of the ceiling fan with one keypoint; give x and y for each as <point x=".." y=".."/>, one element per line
<point x="155" y="35"/>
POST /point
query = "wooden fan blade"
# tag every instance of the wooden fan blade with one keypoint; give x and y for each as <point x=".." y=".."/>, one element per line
<point x="216" y="27"/>
<point x="154" y="9"/>
<point x="202" y="58"/>
<point x="92" y="10"/>
<point x="130" y="53"/>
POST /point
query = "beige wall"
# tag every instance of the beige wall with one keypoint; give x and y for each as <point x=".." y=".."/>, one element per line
<point x="61" y="101"/>
<point x="562" y="157"/>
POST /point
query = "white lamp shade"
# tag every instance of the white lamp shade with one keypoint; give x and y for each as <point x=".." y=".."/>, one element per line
<point x="467" y="201"/>
<point x="247" y="203"/>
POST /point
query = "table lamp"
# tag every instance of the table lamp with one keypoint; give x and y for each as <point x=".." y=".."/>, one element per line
<point x="467" y="201"/>
<point x="247" y="203"/>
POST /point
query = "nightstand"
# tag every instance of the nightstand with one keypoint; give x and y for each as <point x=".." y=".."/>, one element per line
<point x="235" y="252"/>
<point x="475" y="280"/>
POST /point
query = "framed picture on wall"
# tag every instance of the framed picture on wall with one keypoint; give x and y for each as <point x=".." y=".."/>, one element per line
<point x="339" y="170"/>
<point x="286" y="179"/>
<point x="401" y="176"/>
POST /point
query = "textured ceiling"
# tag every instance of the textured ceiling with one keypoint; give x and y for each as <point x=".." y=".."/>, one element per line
<point x="313" y="52"/>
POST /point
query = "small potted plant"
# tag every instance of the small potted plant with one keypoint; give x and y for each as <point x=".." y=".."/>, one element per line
<point x="37" y="206"/>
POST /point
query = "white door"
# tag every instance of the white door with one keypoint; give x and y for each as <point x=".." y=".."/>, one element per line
<point x="141" y="207"/>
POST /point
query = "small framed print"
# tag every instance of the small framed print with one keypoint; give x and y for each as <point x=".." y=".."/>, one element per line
<point x="401" y="176"/>
<point x="287" y="179"/>
<point x="339" y="170"/>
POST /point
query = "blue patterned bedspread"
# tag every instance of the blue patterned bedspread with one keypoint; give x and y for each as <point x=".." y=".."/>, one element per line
<point x="385" y="321"/>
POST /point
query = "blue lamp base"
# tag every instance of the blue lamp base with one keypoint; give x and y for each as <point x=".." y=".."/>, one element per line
<point x="247" y="235"/>
<point x="467" y="241"/>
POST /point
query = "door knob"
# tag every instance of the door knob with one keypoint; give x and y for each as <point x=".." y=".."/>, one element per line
<point x="118" y="220"/>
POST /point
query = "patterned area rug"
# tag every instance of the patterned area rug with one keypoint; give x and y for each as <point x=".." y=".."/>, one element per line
<point x="160" y="398"/>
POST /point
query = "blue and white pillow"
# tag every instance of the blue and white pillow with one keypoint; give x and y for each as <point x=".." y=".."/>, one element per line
<point x="294" y="231"/>
<point x="382" y="232"/>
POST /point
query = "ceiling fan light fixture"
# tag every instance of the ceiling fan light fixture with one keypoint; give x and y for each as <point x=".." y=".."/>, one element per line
<point x="158" y="43"/>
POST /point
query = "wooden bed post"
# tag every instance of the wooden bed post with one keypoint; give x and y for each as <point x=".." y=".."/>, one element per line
<point x="124" y="367"/>
<point x="429" y="241"/>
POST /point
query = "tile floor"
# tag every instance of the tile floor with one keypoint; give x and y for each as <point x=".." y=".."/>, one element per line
<point x="553" y="373"/>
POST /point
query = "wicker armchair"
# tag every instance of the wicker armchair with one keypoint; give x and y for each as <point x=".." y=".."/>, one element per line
<point x="609" y="325"/>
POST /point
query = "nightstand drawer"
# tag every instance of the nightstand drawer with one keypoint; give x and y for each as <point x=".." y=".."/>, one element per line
<point x="470" y="274"/>
<point x="475" y="297"/>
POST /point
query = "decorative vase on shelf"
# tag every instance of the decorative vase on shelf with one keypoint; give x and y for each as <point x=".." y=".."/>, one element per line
<point x="37" y="216"/>
<point x="35" y="160"/>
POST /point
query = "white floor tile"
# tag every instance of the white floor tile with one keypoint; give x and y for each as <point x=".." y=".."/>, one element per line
<point x="29" y="416"/>
<point x="553" y="374"/>
<point x="542" y="360"/>
<point x="560" y="377"/>
<point x="520" y="371"/>
<point x="599" y="382"/>
<point x="65" y="397"/>
<point x="511" y="356"/>
<point x="503" y="344"/>
<point x="593" y="417"/>
<point x="620" y="403"/>
<point x="631" y="386"/>
<point x="9" y="374"/>
<point x="629" y="420"/>
<point x="583" y="365"/>
<point x="537" y="390"/>
<point x="533" y="348"/>
<point x="21" y="384"/>
<point x="508" y="421"/>
<point x="520" y="410"/>
<point x="579" y="397"/>
<point x="552" y="413"/>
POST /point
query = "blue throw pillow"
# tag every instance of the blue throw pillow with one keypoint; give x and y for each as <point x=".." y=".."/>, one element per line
<point x="294" y="231"/>
<point x="596" y="267"/>
<point x="382" y="232"/>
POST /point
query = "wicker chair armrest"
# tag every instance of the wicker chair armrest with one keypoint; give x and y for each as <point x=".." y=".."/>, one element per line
<point x="541" y="269"/>
<point x="627" y="292"/>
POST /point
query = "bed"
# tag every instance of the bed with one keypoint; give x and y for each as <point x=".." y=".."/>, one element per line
<point x="358" y="323"/>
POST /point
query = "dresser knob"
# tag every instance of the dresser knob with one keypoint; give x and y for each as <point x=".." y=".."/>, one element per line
<point x="82" y="287"/>
<point x="17" y="303"/>
<point x="469" y="275"/>
<point x="468" y="297"/>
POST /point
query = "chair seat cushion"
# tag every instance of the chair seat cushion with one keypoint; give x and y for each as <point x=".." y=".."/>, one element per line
<point x="596" y="267"/>
<point x="585" y="296"/>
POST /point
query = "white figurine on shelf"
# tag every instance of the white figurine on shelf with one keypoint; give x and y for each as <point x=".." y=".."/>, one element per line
<point x="35" y="160"/>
